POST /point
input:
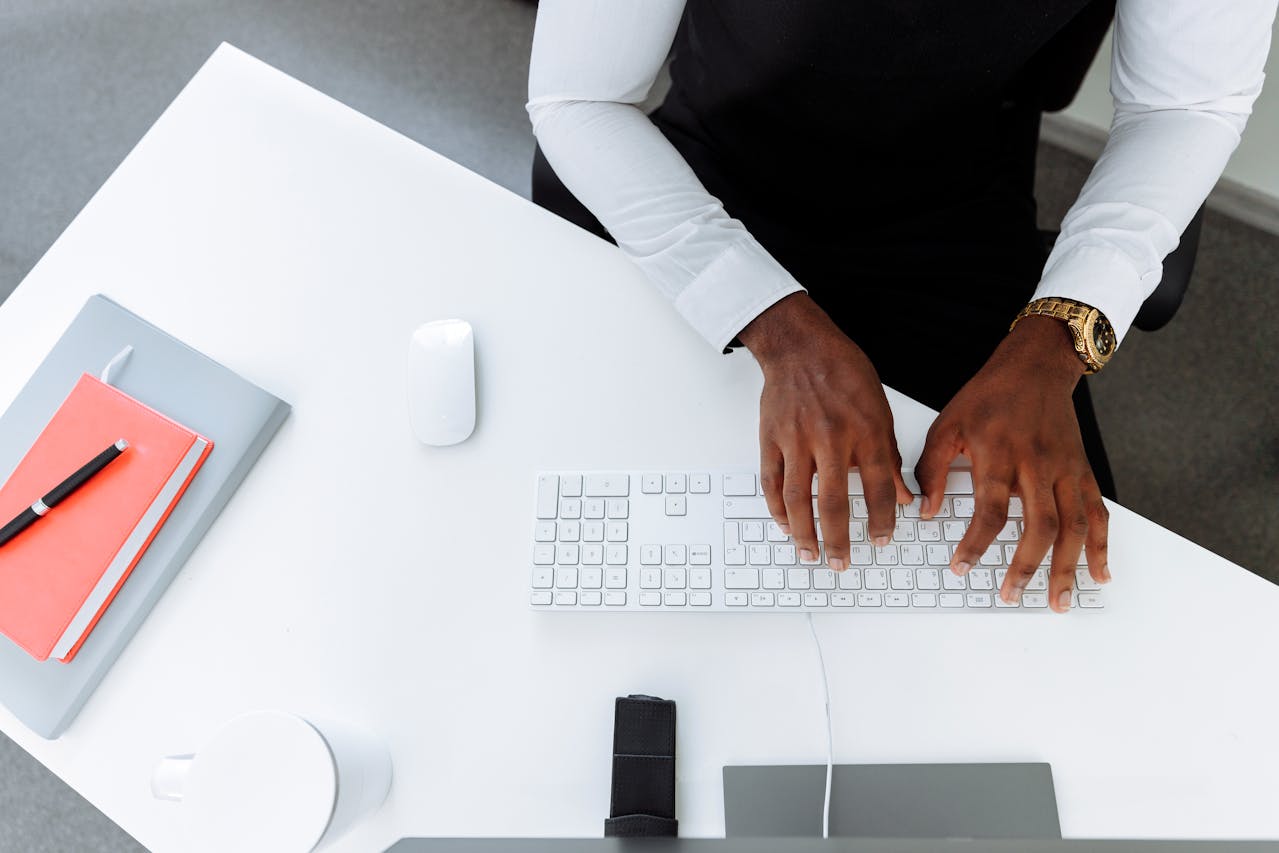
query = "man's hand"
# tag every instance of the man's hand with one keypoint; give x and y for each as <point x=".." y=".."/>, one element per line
<point x="1016" y="421"/>
<point x="823" y="410"/>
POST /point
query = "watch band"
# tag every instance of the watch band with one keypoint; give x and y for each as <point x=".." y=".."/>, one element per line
<point x="643" y="797"/>
<point x="1082" y="320"/>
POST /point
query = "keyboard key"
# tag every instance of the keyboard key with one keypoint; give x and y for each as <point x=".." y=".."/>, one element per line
<point x="736" y="599"/>
<point x="566" y="578"/>
<point x="774" y="579"/>
<point x="614" y="599"/>
<point x="541" y="598"/>
<point x="591" y="599"/>
<point x="953" y="531"/>
<point x="543" y="577"/>
<point x="896" y="599"/>
<point x="1014" y="507"/>
<point x="1008" y="533"/>
<point x="752" y="531"/>
<point x="912" y="555"/>
<point x="904" y="531"/>
<point x="902" y="579"/>
<point x="849" y="579"/>
<point x="676" y="484"/>
<point x="842" y="599"/>
<point x="545" y="531"/>
<point x="861" y="555"/>
<point x="927" y="579"/>
<point x="950" y="580"/>
<point x="699" y="599"/>
<point x="676" y="555"/>
<point x="887" y="556"/>
<point x="823" y="579"/>
<point x="615" y="578"/>
<point x="739" y="485"/>
<point x="870" y="599"/>
<point x="978" y="599"/>
<point x="929" y="531"/>
<point x="1038" y="581"/>
<point x="699" y="484"/>
<point x="981" y="579"/>
<point x="735" y="555"/>
<point x="607" y="485"/>
<point x="923" y="599"/>
<point x="773" y="532"/>
<point x="856" y="531"/>
<point x="1000" y="604"/>
<point x="651" y="484"/>
<point x="650" y="599"/>
<point x="788" y="599"/>
<point x="592" y="531"/>
<point x="816" y="561"/>
<point x="746" y="508"/>
<point x="951" y="599"/>
<point x="699" y="578"/>
<point x="675" y="578"/>
<point x="543" y="555"/>
<point x="592" y="555"/>
<point x="676" y="505"/>
<point x="816" y="599"/>
<point x="676" y="599"/>
<point x="1090" y="600"/>
<point x="619" y="508"/>
<point x="650" y="578"/>
<point x="1010" y="552"/>
<point x="963" y="507"/>
<point x="910" y="510"/>
<point x="799" y="579"/>
<point x="1034" y="599"/>
<point x="566" y="555"/>
<point x="617" y="531"/>
<point x="699" y="555"/>
<point x="993" y="556"/>
<point x="784" y="555"/>
<point x="959" y="482"/>
<point x="592" y="578"/>
<point x="615" y="555"/>
<point x="565" y="598"/>
<point x="741" y="578"/>
<point x="569" y="531"/>
<point x="762" y="599"/>
<point x="875" y="578"/>
<point x="650" y="555"/>
<point x="1084" y="581"/>
<point x="571" y="486"/>
<point x="859" y="508"/>
<point x="943" y="509"/>
<point x="593" y="508"/>
<point x="548" y="496"/>
<point x="759" y="555"/>
<point x="571" y="508"/>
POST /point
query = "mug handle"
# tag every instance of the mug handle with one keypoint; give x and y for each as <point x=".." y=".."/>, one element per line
<point x="169" y="776"/>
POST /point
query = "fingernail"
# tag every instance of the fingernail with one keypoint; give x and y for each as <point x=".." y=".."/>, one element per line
<point x="925" y="508"/>
<point x="785" y="528"/>
<point x="805" y="554"/>
<point x="881" y="541"/>
<point x="1014" y="595"/>
<point x="1063" y="600"/>
<point x="961" y="568"/>
<point x="1105" y="573"/>
<point x="838" y="564"/>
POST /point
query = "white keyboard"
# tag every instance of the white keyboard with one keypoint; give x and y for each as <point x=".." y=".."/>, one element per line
<point x="702" y="541"/>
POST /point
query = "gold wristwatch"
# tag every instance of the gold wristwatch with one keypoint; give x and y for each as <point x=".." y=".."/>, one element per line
<point x="1093" y="335"/>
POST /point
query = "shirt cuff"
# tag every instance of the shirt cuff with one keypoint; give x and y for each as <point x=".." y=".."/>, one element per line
<point x="1102" y="277"/>
<point x="736" y="288"/>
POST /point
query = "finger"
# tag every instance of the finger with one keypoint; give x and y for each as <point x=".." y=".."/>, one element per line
<point x="1039" y="523"/>
<point x="797" y="494"/>
<point x="1071" y="534"/>
<point x="940" y="449"/>
<point x="771" y="476"/>
<point x="832" y="506"/>
<point x="991" y="498"/>
<point x="1096" y="543"/>
<point x="904" y="494"/>
<point x="880" y="486"/>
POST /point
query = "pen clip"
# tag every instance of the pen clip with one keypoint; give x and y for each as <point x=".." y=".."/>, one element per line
<point x="114" y="364"/>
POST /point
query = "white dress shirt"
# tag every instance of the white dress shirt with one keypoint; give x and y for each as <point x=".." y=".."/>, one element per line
<point x="1186" y="73"/>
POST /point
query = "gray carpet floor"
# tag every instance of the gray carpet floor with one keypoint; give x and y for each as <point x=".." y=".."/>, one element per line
<point x="1190" y="414"/>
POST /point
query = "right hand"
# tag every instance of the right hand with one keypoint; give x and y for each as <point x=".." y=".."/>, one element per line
<point x="823" y="410"/>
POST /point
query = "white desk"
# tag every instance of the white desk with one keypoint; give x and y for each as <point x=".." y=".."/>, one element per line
<point x="298" y="242"/>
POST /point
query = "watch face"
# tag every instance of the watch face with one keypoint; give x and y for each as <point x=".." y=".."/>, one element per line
<point x="1103" y="337"/>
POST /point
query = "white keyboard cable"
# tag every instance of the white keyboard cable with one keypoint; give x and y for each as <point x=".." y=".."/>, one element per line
<point x="830" y="736"/>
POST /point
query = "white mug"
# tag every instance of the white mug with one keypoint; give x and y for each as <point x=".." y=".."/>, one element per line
<point x="273" y="781"/>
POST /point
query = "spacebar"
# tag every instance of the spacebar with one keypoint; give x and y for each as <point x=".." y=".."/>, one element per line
<point x="746" y="508"/>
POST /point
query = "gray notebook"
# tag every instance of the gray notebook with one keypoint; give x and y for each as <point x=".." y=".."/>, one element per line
<point x="175" y="380"/>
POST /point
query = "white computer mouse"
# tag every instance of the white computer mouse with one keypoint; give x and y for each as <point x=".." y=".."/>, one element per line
<point x="442" y="382"/>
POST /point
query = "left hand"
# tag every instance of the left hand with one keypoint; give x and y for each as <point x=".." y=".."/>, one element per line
<point x="1016" y="421"/>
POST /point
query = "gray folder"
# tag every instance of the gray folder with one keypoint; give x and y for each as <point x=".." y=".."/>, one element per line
<point x="175" y="380"/>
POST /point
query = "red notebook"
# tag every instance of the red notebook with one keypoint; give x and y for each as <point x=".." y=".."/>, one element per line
<point x="59" y="575"/>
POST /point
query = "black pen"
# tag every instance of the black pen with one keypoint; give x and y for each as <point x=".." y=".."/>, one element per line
<point x="37" y="510"/>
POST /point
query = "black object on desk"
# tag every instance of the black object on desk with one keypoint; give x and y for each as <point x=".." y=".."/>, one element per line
<point x="62" y="491"/>
<point x="643" y="800"/>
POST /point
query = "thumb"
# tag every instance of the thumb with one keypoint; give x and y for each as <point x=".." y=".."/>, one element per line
<point x="940" y="449"/>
